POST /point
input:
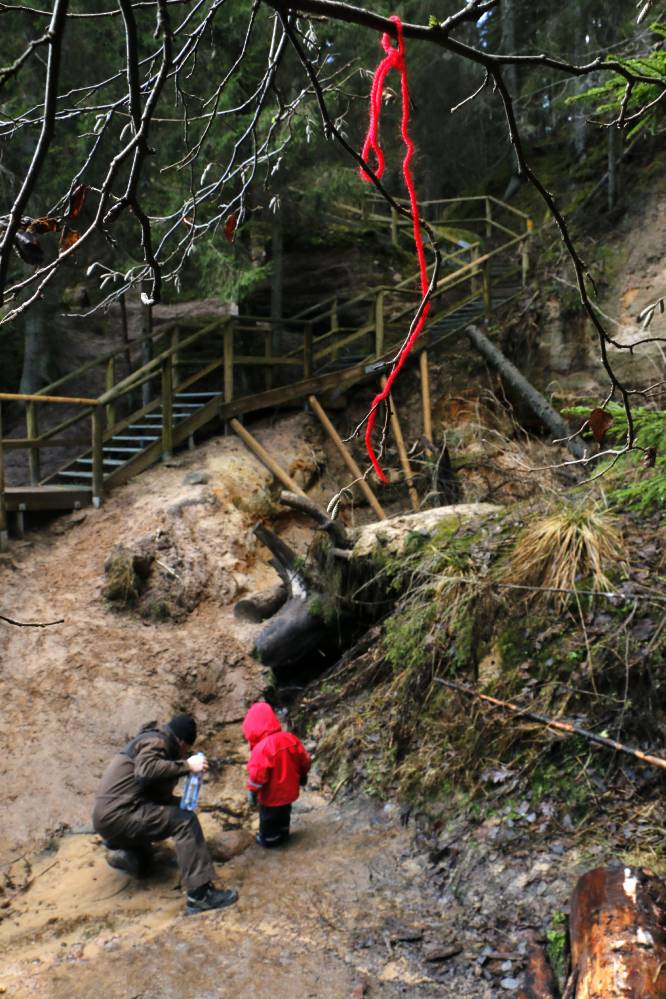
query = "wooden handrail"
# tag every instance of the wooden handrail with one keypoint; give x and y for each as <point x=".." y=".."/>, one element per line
<point x="102" y="359"/>
<point x="64" y="399"/>
<point x="385" y="328"/>
<point x="153" y="366"/>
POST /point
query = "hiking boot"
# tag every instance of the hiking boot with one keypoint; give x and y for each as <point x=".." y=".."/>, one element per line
<point x="126" y="861"/>
<point x="213" y="898"/>
<point x="270" y="844"/>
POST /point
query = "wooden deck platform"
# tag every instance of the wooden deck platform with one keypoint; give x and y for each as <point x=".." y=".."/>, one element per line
<point x="19" y="498"/>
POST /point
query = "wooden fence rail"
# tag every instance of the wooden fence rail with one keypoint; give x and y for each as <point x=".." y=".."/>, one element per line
<point x="225" y="357"/>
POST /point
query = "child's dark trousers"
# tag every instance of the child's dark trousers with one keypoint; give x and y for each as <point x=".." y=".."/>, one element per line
<point x="274" y="825"/>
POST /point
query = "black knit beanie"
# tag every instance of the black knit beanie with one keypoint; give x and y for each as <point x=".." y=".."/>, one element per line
<point x="184" y="727"/>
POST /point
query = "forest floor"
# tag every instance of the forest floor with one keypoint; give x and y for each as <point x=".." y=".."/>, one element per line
<point x="359" y="904"/>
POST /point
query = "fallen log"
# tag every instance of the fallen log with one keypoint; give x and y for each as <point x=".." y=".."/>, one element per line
<point x="537" y="402"/>
<point x="618" y="942"/>
<point x="322" y="612"/>
<point x="299" y="629"/>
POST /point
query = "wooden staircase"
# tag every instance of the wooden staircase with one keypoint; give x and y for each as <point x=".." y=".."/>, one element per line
<point x="231" y="367"/>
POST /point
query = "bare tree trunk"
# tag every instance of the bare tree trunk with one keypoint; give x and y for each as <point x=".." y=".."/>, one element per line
<point x="37" y="350"/>
<point x="615" y="143"/>
<point x="146" y="349"/>
<point x="277" y="278"/>
<point x="537" y="403"/>
<point x="618" y="943"/>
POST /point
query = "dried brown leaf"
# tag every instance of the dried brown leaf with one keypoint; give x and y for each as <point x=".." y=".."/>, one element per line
<point x="77" y="200"/>
<point x="599" y="420"/>
<point x="44" y="224"/>
<point x="230" y="227"/>
<point x="68" y="238"/>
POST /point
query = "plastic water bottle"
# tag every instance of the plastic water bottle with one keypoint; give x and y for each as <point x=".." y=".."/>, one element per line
<point x="191" y="789"/>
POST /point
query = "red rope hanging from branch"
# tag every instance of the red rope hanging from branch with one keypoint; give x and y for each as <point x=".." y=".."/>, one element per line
<point x="394" y="59"/>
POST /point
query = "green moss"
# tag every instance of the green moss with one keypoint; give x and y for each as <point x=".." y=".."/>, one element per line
<point x="323" y="609"/>
<point x="513" y="645"/>
<point x="405" y="636"/>
<point x="556" y="944"/>
<point x="155" y="610"/>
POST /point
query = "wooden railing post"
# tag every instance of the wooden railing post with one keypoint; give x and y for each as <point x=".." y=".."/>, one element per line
<point x="333" y="323"/>
<point x="489" y="218"/>
<point x="334" y="315"/>
<point x="175" y="341"/>
<point x="109" y="382"/>
<point x="97" y="456"/>
<point x="487" y="292"/>
<point x="167" y="408"/>
<point x="268" y="355"/>
<point x="474" y="273"/>
<point x="4" y="536"/>
<point x="32" y="431"/>
<point x="228" y="362"/>
<point x="308" y="340"/>
<point x="379" y="324"/>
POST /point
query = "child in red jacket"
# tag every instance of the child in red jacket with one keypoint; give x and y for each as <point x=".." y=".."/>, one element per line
<point x="277" y="769"/>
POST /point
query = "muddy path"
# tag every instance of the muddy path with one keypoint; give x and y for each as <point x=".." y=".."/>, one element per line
<point x="322" y="918"/>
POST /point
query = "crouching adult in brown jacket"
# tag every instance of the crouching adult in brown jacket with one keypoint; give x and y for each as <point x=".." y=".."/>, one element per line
<point x="135" y="807"/>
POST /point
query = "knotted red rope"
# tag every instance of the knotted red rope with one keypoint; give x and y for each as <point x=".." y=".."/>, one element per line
<point x="394" y="59"/>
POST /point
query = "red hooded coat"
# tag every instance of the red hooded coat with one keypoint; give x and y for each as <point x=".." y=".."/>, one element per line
<point x="278" y="760"/>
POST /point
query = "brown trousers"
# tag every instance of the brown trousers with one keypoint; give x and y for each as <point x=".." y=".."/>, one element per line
<point x="137" y="829"/>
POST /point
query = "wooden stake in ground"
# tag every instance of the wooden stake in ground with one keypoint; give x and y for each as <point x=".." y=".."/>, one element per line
<point x="264" y="457"/>
<point x="345" y="454"/>
<point x="616" y="928"/>
<point x="402" y="451"/>
<point x="425" y="395"/>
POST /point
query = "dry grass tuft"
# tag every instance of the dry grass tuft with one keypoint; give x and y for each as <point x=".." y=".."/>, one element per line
<point x="574" y="543"/>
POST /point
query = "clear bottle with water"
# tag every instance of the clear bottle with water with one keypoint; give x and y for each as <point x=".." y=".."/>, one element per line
<point x="191" y="789"/>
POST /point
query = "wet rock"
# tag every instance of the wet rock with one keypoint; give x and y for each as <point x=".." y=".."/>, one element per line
<point x="510" y="984"/>
<point x="230" y="843"/>
<point x="440" y="951"/>
<point x="403" y="933"/>
<point x="196" y="479"/>
<point x="261" y="605"/>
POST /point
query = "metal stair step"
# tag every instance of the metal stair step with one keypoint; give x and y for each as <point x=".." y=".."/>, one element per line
<point x="107" y="461"/>
<point x="123" y="450"/>
<point x="75" y="475"/>
<point x="137" y="439"/>
<point x="196" y="395"/>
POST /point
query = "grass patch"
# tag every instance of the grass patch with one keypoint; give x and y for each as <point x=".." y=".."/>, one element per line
<point x="578" y="542"/>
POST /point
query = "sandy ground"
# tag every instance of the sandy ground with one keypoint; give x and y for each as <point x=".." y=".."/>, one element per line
<point x="320" y="918"/>
<point x="73" y="692"/>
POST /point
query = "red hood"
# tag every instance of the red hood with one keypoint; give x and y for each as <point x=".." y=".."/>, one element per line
<point x="259" y="722"/>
